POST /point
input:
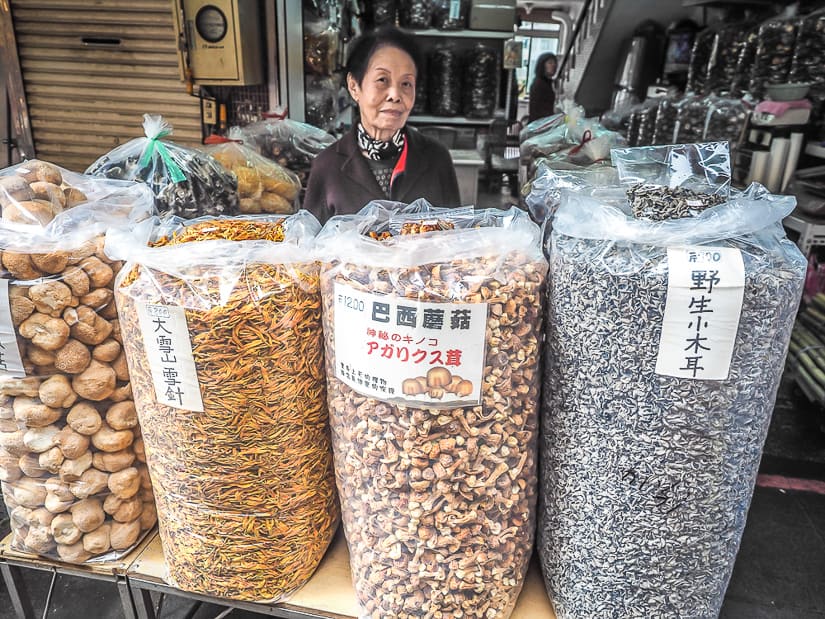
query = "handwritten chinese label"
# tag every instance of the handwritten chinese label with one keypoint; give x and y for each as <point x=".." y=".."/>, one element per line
<point x="11" y="365"/>
<point x="410" y="352"/>
<point x="167" y="344"/>
<point x="705" y="287"/>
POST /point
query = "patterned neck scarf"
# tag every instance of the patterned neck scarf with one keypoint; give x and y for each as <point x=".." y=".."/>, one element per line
<point x="378" y="149"/>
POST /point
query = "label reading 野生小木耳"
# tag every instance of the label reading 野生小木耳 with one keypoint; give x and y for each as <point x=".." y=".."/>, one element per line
<point x="705" y="288"/>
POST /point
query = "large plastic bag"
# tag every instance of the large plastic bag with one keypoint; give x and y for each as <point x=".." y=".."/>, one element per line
<point x="480" y="81"/>
<point x="444" y="80"/>
<point x="291" y="144"/>
<point x="71" y="454"/>
<point x="263" y="185"/>
<point x="727" y="44"/>
<point x="580" y="141"/>
<point x="700" y="56"/>
<point x="221" y="323"/>
<point x="666" y="341"/>
<point x="185" y="182"/>
<point x="666" y="114"/>
<point x="690" y="119"/>
<point x="744" y="62"/>
<point x="774" y="55"/>
<point x="543" y="193"/>
<point x="450" y="14"/>
<point x="432" y="365"/>
<point x="725" y="120"/>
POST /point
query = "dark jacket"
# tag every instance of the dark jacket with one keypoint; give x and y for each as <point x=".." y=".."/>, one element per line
<point x="542" y="98"/>
<point x="341" y="181"/>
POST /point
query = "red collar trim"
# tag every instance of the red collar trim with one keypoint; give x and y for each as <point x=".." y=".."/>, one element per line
<point x="400" y="165"/>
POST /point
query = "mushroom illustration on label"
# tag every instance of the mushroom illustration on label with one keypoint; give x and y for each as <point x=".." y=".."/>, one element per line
<point x="438" y="382"/>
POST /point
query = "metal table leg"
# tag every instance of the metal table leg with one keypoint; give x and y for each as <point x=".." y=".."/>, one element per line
<point x="20" y="601"/>
<point x="126" y="598"/>
<point x="144" y="606"/>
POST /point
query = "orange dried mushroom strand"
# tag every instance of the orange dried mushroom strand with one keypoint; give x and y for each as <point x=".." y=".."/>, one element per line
<point x="227" y="229"/>
<point x="248" y="508"/>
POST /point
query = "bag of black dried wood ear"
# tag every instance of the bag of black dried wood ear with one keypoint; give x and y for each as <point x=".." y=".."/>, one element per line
<point x="669" y="317"/>
<point x="186" y="182"/>
<point x="432" y="320"/>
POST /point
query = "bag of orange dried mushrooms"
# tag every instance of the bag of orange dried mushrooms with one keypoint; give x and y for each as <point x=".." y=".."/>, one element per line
<point x="71" y="454"/>
<point x="221" y="323"/>
<point x="432" y="321"/>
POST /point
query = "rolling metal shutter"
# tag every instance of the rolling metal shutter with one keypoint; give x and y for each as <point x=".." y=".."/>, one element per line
<point x="92" y="69"/>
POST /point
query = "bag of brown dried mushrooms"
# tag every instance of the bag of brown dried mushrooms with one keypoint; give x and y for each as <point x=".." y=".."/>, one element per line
<point x="432" y="321"/>
<point x="221" y="322"/>
<point x="669" y="317"/>
<point x="71" y="454"/>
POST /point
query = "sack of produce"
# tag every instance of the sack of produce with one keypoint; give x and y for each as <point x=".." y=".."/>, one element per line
<point x="727" y="44"/>
<point x="186" y="182"/>
<point x="415" y="13"/>
<point x="263" y="185"/>
<point x="221" y="323"/>
<point x="380" y="13"/>
<point x="432" y="320"/>
<point x="481" y="68"/>
<point x="666" y="113"/>
<point x="691" y="113"/>
<point x="725" y="120"/>
<point x="700" y="56"/>
<point x="450" y="14"/>
<point x="772" y="61"/>
<point x="71" y="457"/>
<point x="744" y="62"/>
<point x="444" y="81"/>
<point x="291" y="144"/>
<point x="666" y="340"/>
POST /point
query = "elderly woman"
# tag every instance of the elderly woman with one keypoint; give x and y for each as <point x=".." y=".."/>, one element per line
<point x="381" y="158"/>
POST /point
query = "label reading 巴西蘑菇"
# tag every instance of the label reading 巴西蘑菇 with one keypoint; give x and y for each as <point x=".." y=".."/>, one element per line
<point x="169" y="350"/>
<point x="11" y="364"/>
<point x="705" y="287"/>
<point x="455" y="9"/>
<point x="411" y="352"/>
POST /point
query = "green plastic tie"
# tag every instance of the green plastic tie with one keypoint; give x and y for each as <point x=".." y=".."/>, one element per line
<point x="175" y="173"/>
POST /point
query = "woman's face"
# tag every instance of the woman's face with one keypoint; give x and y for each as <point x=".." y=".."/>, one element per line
<point x="387" y="93"/>
<point x="550" y="68"/>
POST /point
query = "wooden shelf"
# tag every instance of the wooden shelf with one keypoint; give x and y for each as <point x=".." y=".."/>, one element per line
<point x="329" y="594"/>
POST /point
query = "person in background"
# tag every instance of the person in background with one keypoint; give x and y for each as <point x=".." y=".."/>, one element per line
<point x="381" y="158"/>
<point x="542" y="94"/>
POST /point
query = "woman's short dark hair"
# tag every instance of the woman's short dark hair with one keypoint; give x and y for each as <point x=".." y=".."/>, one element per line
<point x="370" y="42"/>
<point x="542" y="59"/>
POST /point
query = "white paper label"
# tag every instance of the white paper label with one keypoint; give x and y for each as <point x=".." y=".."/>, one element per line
<point x="705" y="287"/>
<point x="167" y="344"/>
<point x="455" y="9"/>
<point x="11" y="364"/>
<point x="429" y="355"/>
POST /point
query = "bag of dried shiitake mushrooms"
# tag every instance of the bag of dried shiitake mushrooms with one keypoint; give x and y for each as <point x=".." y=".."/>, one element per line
<point x="71" y="455"/>
<point x="432" y="325"/>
